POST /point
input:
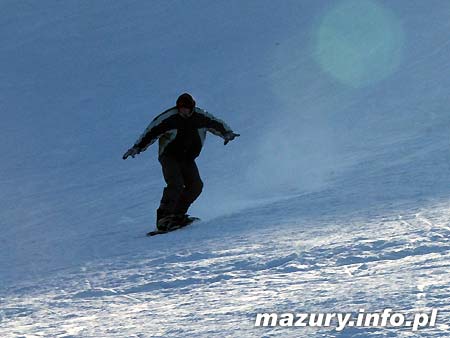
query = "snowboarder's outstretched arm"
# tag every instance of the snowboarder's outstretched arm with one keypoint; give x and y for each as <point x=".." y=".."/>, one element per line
<point x="217" y="126"/>
<point x="156" y="128"/>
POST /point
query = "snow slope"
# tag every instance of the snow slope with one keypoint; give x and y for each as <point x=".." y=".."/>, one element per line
<point x="334" y="198"/>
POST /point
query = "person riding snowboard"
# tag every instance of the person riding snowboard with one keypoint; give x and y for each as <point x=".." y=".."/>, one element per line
<point x="181" y="131"/>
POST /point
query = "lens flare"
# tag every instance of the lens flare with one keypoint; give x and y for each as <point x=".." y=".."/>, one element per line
<point x="359" y="42"/>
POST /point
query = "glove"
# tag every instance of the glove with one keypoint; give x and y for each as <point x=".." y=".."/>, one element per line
<point x="131" y="152"/>
<point x="230" y="136"/>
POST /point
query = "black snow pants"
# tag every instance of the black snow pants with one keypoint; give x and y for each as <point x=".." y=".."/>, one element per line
<point x="183" y="187"/>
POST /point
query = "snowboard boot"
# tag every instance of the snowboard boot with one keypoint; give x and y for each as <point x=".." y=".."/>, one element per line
<point x="163" y="218"/>
<point x="164" y="223"/>
<point x="170" y="221"/>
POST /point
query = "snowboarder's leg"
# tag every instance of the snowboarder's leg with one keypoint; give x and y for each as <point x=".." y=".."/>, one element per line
<point x="193" y="186"/>
<point x="173" y="176"/>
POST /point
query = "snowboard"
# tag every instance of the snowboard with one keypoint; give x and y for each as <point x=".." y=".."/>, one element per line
<point x="160" y="232"/>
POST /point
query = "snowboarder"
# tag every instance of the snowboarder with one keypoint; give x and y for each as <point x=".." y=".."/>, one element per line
<point x="181" y="131"/>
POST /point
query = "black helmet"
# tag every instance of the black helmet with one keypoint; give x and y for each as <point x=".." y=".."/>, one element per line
<point x="185" y="100"/>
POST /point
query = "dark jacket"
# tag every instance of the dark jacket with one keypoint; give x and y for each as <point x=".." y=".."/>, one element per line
<point x="179" y="136"/>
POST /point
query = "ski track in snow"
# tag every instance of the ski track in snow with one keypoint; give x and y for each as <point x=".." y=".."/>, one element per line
<point x="211" y="288"/>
